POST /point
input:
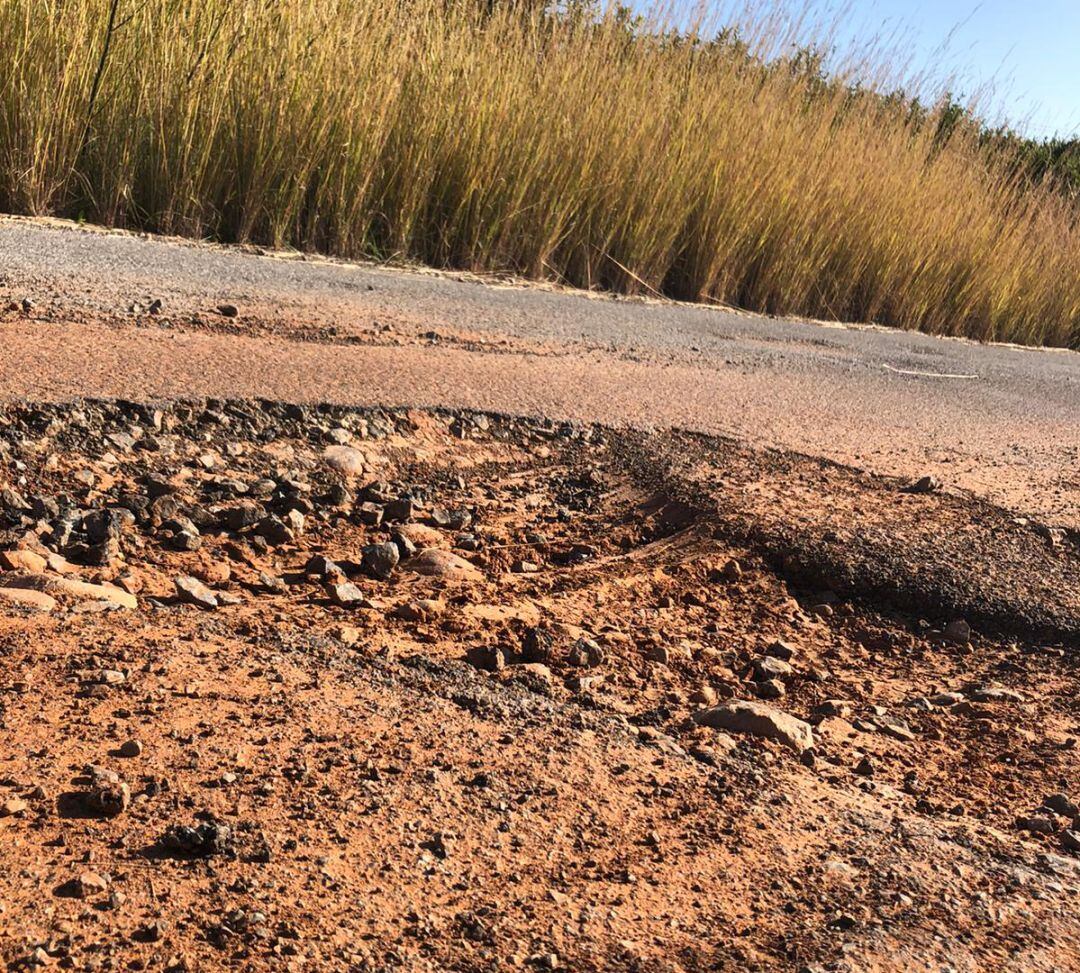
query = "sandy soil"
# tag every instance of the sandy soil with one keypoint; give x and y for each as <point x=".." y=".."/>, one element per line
<point x="408" y="690"/>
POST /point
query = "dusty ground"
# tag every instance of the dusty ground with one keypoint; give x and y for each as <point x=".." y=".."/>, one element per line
<point x="496" y="756"/>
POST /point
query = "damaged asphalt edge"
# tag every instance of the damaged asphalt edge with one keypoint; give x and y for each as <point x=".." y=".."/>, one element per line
<point x="935" y="587"/>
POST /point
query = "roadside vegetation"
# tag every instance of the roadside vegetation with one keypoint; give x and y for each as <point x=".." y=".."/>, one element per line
<point x="584" y="146"/>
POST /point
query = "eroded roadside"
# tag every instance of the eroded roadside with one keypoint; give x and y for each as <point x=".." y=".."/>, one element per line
<point x="118" y="315"/>
<point x="378" y="689"/>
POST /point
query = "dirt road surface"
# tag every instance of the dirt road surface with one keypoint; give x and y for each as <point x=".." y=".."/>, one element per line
<point x="1001" y="422"/>
<point x="516" y="695"/>
<point x="298" y="673"/>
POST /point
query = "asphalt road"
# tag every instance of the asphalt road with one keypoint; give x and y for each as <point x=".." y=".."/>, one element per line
<point x="1001" y="422"/>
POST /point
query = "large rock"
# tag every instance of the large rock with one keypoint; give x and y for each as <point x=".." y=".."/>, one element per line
<point x="84" y="591"/>
<point x="73" y="588"/>
<point x="345" y="459"/>
<point x="443" y="564"/>
<point x="760" y="720"/>
<point x="769" y="667"/>
<point x="422" y="536"/>
<point x="995" y="694"/>
<point x="379" y="560"/>
<point x="27" y="598"/>
<point x="245" y="514"/>
<point x="344" y="594"/>
<point x="194" y="592"/>
<point x="22" y="560"/>
<point x="275" y="531"/>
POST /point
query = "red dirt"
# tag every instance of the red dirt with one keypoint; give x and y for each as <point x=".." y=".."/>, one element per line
<point x="405" y="790"/>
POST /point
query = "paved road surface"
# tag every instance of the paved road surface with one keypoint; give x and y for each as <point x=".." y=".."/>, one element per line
<point x="999" y="421"/>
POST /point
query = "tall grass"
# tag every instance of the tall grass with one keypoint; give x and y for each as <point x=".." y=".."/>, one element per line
<point x="499" y="137"/>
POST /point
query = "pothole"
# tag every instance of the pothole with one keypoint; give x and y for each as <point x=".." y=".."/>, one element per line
<point x="329" y="666"/>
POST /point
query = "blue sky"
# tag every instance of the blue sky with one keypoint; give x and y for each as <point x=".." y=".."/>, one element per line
<point x="1032" y="48"/>
<point x="1028" y="50"/>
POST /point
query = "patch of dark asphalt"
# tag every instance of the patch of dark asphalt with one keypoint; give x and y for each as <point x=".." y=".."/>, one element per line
<point x="936" y="557"/>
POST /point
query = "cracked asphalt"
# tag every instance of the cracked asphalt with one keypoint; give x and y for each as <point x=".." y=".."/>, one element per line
<point x="999" y="422"/>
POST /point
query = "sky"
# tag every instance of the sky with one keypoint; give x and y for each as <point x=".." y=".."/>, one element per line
<point x="1031" y="48"/>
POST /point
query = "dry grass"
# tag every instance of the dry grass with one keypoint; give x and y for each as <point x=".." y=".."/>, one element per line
<point x="423" y="129"/>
